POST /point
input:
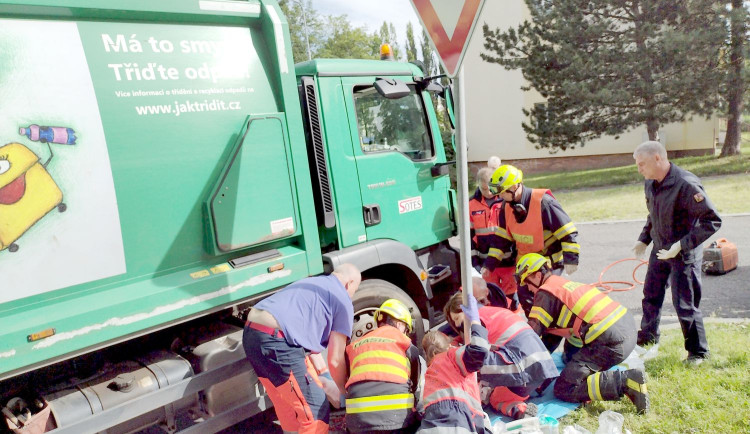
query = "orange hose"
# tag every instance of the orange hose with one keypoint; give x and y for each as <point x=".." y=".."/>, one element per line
<point x="606" y="285"/>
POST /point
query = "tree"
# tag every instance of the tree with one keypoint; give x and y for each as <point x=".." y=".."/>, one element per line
<point x="428" y="55"/>
<point x="735" y="88"/>
<point x="345" y="41"/>
<point x="298" y="13"/>
<point x="608" y="66"/>
<point x="411" y="46"/>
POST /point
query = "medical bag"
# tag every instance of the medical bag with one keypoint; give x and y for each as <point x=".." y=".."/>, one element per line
<point x="720" y="257"/>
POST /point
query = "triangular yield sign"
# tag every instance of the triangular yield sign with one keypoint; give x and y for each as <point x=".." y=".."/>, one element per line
<point x="449" y="33"/>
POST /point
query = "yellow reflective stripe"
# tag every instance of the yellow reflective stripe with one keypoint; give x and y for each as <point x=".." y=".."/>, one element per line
<point x="495" y="253"/>
<point x="542" y="315"/>
<point x="565" y="316"/>
<point x="593" y="387"/>
<point x="636" y="386"/>
<point x="565" y="230"/>
<point x="485" y="231"/>
<point x="382" y="354"/>
<point x="584" y="300"/>
<point x="501" y="232"/>
<point x="604" y="324"/>
<point x="386" y="369"/>
<point x="380" y="403"/>
<point x="557" y="257"/>
<point x="571" y="247"/>
<point x="596" y="308"/>
<point x="549" y="241"/>
<point x="575" y="341"/>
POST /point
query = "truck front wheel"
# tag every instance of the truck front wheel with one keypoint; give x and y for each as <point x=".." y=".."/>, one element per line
<point x="368" y="298"/>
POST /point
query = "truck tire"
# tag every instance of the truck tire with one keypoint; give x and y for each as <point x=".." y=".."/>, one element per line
<point x="370" y="295"/>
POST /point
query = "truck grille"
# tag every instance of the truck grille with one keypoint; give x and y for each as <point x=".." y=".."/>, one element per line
<point x="316" y="153"/>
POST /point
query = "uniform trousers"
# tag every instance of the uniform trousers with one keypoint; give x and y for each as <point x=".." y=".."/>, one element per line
<point x="685" y="280"/>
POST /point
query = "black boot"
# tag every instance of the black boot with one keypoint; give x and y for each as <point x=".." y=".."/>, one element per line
<point x="634" y="386"/>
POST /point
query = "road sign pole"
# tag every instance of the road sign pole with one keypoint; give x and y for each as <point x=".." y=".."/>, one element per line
<point x="462" y="167"/>
<point x="450" y="34"/>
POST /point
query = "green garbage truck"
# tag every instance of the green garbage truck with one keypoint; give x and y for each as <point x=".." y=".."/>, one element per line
<point x="165" y="165"/>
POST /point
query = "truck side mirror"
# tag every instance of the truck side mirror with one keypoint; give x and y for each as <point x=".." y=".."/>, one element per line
<point x="391" y="88"/>
<point x="441" y="169"/>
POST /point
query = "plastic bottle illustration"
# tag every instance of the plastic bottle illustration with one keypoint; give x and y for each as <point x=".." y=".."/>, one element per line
<point x="61" y="135"/>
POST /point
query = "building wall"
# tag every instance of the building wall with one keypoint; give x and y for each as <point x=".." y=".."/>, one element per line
<point x="494" y="101"/>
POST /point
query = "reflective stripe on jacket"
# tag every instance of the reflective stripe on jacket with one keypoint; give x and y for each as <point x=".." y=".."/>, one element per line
<point x="445" y="380"/>
<point x="529" y="235"/>
<point x="379" y="356"/>
<point x="379" y="406"/>
<point x="518" y="356"/>
<point x="378" y="393"/>
<point x="587" y="303"/>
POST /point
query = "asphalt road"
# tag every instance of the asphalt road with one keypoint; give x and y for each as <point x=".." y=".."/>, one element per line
<point x="726" y="296"/>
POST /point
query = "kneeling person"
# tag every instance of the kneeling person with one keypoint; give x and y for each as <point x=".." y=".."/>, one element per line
<point x="605" y="327"/>
<point x="451" y="392"/>
<point x="384" y="372"/>
<point x="517" y="364"/>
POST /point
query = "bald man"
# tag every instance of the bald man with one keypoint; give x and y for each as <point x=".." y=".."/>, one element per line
<point x="309" y="315"/>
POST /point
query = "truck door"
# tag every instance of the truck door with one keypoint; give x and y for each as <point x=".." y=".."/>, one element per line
<point x="396" y="143"/>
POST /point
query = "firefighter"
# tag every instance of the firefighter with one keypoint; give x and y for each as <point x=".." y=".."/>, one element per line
<point x="384" y="372"/>
<point x="680" y="218"/>
<point x="531" y="221"/>
<point x="517" y="363"/>
<point x="606" y="329"/>
<point x="482" y="231"/>
<point x="451" y="392"/>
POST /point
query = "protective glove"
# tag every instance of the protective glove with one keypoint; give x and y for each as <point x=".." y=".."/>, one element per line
<point x="471" y="312"/>
<point x="639" y="249"/>
<point x="671" y="253"/>
<point x="570" y="268"/>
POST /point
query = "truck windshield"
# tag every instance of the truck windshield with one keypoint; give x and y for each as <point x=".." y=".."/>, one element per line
<point x="395" y="125"/>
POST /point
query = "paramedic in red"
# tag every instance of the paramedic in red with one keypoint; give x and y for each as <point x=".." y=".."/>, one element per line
<point x="517" y="364"/>
<point x="605" y="327"/>
<point x="307" y="316"/>
<point x="531" y="221"/>
<point x="482" y="230"/>
<point x="451" y="392"/>
<point x="680" y="218"/>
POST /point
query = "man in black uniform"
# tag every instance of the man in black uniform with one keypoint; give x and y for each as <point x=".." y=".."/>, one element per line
<point x="680" y="218"/>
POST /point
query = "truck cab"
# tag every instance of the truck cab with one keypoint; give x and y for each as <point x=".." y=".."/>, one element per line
<point x="375" y="151"/>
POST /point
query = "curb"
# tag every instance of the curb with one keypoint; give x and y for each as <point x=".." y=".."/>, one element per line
<point x="674" y="323"/>
<point x="611" y="222"/>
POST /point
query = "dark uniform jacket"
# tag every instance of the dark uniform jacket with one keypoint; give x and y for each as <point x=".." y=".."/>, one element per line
<point x="560" y="233"/>
<point x="679" y="210"/>
<point x="482" y="227"/>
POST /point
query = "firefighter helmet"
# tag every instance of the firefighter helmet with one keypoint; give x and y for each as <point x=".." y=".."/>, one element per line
<point x="529" y="264"/>
<point x="396" y="309"/>
<point x="505" y="177"/>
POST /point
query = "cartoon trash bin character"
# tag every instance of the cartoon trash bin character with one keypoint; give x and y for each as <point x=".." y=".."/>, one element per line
<point x="27" y="193"/>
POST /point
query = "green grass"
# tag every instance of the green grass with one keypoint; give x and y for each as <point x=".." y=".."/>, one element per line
<point x="627" y="201"/>
<point x="712" y="398"/>
<point x="702" y="166"/>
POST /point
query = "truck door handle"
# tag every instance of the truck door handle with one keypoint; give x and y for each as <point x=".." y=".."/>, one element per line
<point x="371" y="214"/>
